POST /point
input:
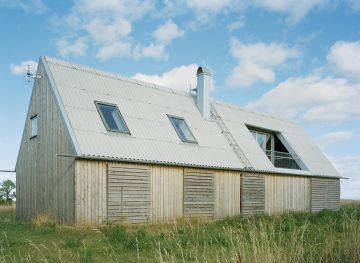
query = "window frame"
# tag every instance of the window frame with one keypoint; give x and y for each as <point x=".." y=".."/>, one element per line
<point x="97" y="104"/>
<point x="272" y="134"/>
<point x="178" y="133"/>
<point x="34" y="117"/>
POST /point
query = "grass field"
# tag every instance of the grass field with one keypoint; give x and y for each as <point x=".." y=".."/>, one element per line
<point x="297" y="237"/>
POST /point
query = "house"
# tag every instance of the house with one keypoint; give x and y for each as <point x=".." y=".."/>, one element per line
<point x="98" y="146"/>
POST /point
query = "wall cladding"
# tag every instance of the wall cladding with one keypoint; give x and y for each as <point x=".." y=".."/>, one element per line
<point x="325" y="194"/>
<point x="199" y="193"/>
<point x="252" y="194"/>
<point x="44" y="181"/>
<point x="286" y="193"/>
<point x="128" y="195"/>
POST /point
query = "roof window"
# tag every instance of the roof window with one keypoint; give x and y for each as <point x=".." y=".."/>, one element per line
<point x="277" y="149"/>
<point x="111" y="117"/>
<point x="182" y="129"/>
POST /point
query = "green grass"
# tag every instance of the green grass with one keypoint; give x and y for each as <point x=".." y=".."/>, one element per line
<point x="296" y="237"/>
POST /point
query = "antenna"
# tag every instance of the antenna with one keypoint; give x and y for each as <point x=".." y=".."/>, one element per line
<point x="30" y="75"/>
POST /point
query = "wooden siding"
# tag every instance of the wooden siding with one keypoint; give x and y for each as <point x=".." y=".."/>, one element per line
<point x="166" y="193"/>
<point x="286" y="193"/>
<point x="252" y="194"/>
<point x="45" y="182"/>
<point x="90" y="195"/>
<point x="227" y="193"/>
<point x="128" y="195"/>
<point x="199" y="193"/>
<point x="325" y="194"/>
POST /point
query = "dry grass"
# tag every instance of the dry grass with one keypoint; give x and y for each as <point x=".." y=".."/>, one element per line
<point x="7" y="208"/>
<point x="295" y="237"/>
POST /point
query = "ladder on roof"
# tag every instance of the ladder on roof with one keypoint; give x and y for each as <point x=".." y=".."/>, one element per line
<point x="230" y="138"/>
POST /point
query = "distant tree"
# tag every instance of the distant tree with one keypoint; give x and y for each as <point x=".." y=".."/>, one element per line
<point x="7" y="191"/>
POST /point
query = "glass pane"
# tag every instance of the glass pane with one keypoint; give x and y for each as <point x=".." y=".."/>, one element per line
<point x="112" y="118"/>
<point x="34" y="126"/>
<point x="260" y="137"/>
<point x="182" y="129"/>
<point x="253" y="134"/>
<point x="268" y="142"/>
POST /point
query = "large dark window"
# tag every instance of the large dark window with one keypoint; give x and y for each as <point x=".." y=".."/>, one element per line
<point x="182" y="129"/>
<point x="111" y="117"/>
<point x="275" y="149"/>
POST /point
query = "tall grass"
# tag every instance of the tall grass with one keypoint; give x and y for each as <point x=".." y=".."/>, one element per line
<point x="295" y="237"/>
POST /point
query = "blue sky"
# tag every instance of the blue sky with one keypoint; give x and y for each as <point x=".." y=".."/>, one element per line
<point x="294" y="59"/>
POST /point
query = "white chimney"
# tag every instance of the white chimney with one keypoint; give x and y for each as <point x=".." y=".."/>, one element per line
<point x="203" y="89"/>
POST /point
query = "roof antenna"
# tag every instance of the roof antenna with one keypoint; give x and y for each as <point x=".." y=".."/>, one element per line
<point x="30" y="75"/>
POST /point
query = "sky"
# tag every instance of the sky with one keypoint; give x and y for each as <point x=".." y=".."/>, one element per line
<point x="298" y="60"/>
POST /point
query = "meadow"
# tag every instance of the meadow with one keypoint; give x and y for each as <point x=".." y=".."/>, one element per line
<point x="294" y="237"/>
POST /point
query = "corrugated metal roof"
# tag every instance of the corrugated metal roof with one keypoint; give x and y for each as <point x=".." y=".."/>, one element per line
<point x="236" y="120"/>
<point x="144" y="108"/>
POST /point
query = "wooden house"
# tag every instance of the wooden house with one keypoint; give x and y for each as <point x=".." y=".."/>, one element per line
<point x="99" y="147"/>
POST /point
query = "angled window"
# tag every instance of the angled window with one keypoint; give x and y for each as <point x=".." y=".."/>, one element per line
<point x="182" y="129"/>
<point x="273" y="145"/>
<point x="33" y="126"/>
<point x="111" y="117"/>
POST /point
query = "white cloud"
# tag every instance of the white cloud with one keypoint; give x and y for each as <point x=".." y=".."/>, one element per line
<point x="179" y="78"/>
<point x="117" y="49"/>
<point x="105" y="28"/>
<point x="313" y="99"/>
<point x="295" y="9"/>
<point x="344" y="58"/>
<point x="209" y="5"/>
<point x="22" y="67"/>
<point x="237" y="24"/>
<point x="348" y="166"/>
<point x="167" y="32"/>
<point x="104" y="31"/>
<point x="76" y="48"/>
<point x="257" y="62"/>
<point x="154" y="50"/>
<point x="248" y="73"/>
<point x="34" y="6"/>
<point x="333" y="138"/>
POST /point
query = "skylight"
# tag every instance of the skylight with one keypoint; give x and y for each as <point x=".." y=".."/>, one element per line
<point x="111" y="117"/>
<point x="182" y="129"/>
<point x="273" y="145"/>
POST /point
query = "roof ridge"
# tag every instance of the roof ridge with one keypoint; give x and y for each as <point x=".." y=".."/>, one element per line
<point x="114" y="76"/>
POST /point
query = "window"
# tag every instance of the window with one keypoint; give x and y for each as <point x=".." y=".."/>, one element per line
<point x="182" y="129"/>
<point x="111" y="117"/>
<point x="273" y="145"/>
<point x="33" y="126"/>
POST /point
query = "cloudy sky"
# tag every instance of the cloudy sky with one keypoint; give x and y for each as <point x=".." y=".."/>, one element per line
<point x="290" y="58"/>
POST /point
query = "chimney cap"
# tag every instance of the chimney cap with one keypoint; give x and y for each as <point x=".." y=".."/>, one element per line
<point x="203" y="70"/>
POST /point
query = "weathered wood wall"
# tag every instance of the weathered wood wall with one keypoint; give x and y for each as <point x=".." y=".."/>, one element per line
<point x="252" y="194"/>
<point x="44" y="182"/>
<point x="91" y="193"/>
<point x="325" y="194"/>
<point x="227" y="193"/>
<point x="128" y="194"/>
<point x="199" y="193"/>
<point x="286" y="193"/>
<point x="91" y="190"/>
<point x="167" y="191"/>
